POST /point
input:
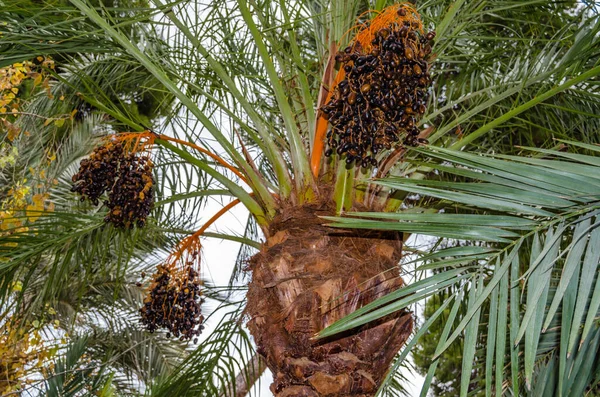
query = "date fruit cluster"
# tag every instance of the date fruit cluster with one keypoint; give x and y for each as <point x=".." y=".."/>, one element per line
<point x="174" y="303"/>
<point x="127" y="177"/>
<point x="383" y="94"/>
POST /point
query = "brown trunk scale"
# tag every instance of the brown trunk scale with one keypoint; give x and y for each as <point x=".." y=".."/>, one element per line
<point x="305" y="278"/>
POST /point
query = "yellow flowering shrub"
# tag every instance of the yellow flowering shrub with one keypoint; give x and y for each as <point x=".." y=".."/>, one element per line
<point x="23" y="351"/>
<point x="22" y="202"/>
<point x="11" y="81"/>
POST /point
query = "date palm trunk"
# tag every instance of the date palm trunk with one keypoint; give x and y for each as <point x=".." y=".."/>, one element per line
<point x="305" y="278"/>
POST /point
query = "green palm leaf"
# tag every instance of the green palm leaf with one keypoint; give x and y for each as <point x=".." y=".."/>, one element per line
<point x="564" y="245"/>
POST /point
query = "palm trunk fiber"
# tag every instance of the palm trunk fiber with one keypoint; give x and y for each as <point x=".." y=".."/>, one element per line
<point x="305" y="278"/>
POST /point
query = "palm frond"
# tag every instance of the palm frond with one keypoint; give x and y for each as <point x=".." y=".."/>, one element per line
<point x="530" y="209"/>
<point x="73" y="376"/>
<point x="211" y="369"/>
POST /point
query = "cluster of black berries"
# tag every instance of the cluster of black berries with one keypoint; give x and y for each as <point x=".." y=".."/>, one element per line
<point x="97" y="173"/>
<point x="132" y="196"/>
<point x="127" y="177"/>
<point x="382" y="95"/>
<point x="174" y="303"/>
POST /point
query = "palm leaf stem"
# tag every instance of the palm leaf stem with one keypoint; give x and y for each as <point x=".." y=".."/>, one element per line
<point x="237" y="191"/>
<point x="302" y="173"/>
<point x="271" y="151"/>
<point x="207" y="152"/>
<point x="520" y="109"/>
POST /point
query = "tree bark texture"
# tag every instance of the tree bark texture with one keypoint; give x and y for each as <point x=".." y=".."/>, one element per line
<point x="305" y="278"/>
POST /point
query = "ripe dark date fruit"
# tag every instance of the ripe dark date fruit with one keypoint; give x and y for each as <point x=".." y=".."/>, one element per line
<point x="126" y="177"/>
<point x="174" y="302"/>
<point x="383" y="94"/>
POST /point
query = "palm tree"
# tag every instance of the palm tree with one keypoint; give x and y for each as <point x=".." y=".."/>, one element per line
<point x="253" y="86"/>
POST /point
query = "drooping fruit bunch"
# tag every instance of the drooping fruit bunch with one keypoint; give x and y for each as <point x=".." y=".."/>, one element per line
<point x="132" y="196"/>
<point x="97" y="173"/>
<point x="127" y="177"/>
<point x="174" y="298"/>
<point x="384" y="90"/>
